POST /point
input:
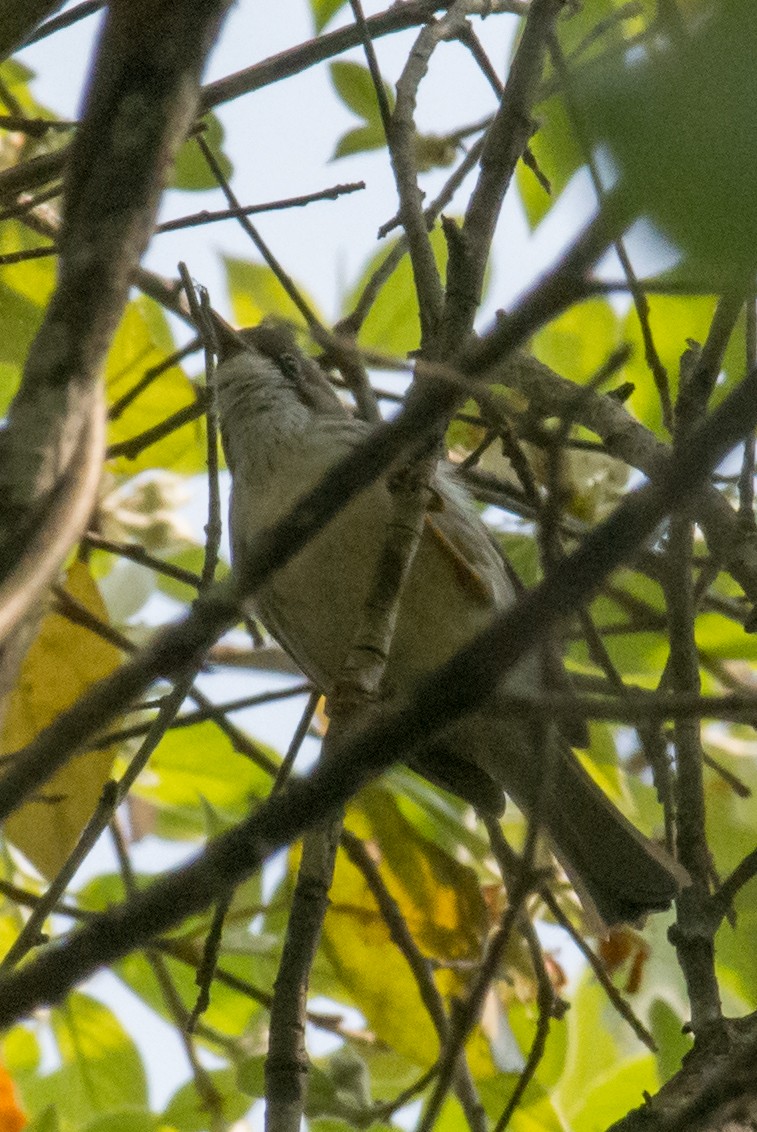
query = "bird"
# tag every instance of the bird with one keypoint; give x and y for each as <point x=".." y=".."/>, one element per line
<point x="282" y="427"/>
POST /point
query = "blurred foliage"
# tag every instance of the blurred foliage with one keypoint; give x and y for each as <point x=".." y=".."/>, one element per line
<point x="678" y="144"/>
<point x="680" y="153"/>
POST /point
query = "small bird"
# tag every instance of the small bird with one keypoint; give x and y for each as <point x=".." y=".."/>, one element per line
<point x="283" y="426"/>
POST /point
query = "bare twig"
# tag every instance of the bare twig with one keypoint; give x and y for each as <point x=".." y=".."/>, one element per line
<point x="206" y="1090"/>
<point x="135" y="445"/>
<point x="30" y="253"/>
<point x="297" y="59"/>
<point x="296" y="742"/>
<point x="508" y="862"/>
<point x="401" y="142"/>
<point x="64" y="20"/>
<point x="208" y="217"/>
<point x="31" y="935"/>
<point x="373" y="67"/>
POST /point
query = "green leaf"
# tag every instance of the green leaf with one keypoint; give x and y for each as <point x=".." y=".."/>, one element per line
<point x="673" y="319"/>
<point x="323" y="10"/>
<point x="558" y="155"/>
<point x="187" y="1111"/>
<point x="190" y="558"/>
<point x="360" y="140"/>
<point x="522" y="1019"/>
<point x="24" y="291"/>
<point x="579" y="341"/>
<point x="616" y="19"/>
<point x="229" y="1009"/>
<point x="16" y="77"/>
<point x="535" y="1113"/>
<point x="555" y="145"/>
<point x="46" y="1121"/>
<point x="433" y="813"/>
<point x="440" y="900"/>
<point x="191" y="172"/>
<point x="672" y="1043"/>
<point x="616" y="1093"/>
<point x="354" y="85"/>
<point x="20" y="1051"/>
<point x="34" y="279"/>
<point x="100" y="1070"/>
<point x="192" y="763"/>
<point x="339" y="1087"/>
<point x="592" y="1062"/>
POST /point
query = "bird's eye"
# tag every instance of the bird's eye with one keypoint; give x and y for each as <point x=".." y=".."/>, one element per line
<point x="289" y="365"/>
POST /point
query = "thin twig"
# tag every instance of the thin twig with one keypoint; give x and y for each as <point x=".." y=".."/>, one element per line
<point x="401" y="144"/>
<point x="723" y="897"/>
<point x="506" y="139"/>
<point x="385" y="109"/>
<point x="30" y="253"/>
<point x="137" y="553"/>
<point x="508" y="859"/>
<point x="31" y="936"/>
<point x="64" y="20"/>
<point x="135" y="445"/>
<point x="548" y="1006"/>
<point x="208" y="217"/>
<point x="746" y="478"/>
<point x="296" y="741"/>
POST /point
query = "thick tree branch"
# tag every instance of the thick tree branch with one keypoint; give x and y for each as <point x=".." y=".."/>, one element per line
<point x="135" y="118"/>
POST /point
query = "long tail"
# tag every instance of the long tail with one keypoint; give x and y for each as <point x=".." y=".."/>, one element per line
<point x="623" y="873"/>
<point x="617" y="872"/>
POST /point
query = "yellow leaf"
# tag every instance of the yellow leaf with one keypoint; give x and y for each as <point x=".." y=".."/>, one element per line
<point x="441" y="903"/>
<point x="63" y="661"/>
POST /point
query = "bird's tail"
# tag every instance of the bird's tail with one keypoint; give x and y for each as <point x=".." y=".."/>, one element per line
<point x="622" y="873"/>
<point x="619" y="874"/>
